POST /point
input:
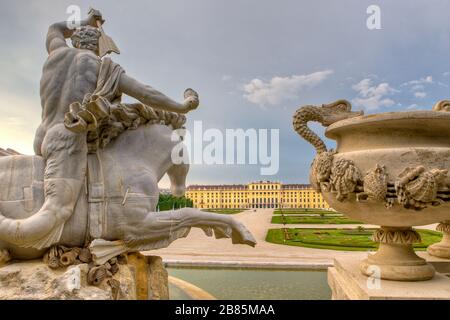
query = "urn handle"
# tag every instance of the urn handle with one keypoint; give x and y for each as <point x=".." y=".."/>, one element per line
<point x="326" y="115"/>
<point x="443" y="105"/>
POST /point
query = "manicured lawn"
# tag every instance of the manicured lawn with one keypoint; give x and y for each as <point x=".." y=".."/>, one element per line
<point x="314" y="220"/>
<point x="304" y="211"/>
<point x="340" y="239"/>
<point x="224" y="211"/>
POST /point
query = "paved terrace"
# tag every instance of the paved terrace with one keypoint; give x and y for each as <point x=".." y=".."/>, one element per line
<point x="199" y="250"/>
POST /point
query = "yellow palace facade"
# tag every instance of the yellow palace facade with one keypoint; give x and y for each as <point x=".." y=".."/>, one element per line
<point x="262" y="194"/>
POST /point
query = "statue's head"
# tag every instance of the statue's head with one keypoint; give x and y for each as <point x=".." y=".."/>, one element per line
<point x="86" y="37"/>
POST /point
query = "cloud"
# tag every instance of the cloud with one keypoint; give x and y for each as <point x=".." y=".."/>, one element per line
<point x="226" y="77"/>
<point x="279" y="89"/>
<point x="413" y="107"/>
<point x="421" y="81"/>
<point x="21" y="117"/>
<point x="372" y="97"/>
<point x="417" y="87"/>
<point x="420" y="94"/>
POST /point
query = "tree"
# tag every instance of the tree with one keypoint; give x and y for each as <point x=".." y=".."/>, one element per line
<point x="169" y="202"/>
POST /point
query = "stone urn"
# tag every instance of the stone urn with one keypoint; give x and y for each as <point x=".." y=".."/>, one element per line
<point x="388" y="169"/>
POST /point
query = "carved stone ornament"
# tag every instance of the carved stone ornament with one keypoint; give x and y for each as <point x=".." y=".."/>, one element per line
<point x="341" y="176"/>
<point x="443" y="105"/>
<point x="375" y="186"/>
<point x="395" y="236"/>
<point x="443" y="227"/>
<point x="344" y="178"/>
<point x="418" y="187"/>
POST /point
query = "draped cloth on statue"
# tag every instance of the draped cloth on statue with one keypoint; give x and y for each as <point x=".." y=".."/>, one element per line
<point x="93" y="114"/>
<point x="108" y="81"/>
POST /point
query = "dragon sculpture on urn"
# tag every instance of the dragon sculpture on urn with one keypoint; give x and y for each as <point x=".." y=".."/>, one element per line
<point x="339" y="176"/>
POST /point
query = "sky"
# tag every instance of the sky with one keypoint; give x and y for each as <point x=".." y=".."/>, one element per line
<point x="253" y="63"/>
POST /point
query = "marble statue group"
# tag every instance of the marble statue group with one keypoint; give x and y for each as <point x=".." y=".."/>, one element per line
<point x="92" y="182"/>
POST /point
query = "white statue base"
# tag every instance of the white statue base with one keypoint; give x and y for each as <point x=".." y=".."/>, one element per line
<point x="348" y="283"/>
<point x="142" y="278"/>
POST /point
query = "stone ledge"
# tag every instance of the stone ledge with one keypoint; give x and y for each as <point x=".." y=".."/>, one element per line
<point x="347" y="283"/>
<point x="245" y="264"/>
<point x="194" y="292"/>
<point x="441" y="265"/>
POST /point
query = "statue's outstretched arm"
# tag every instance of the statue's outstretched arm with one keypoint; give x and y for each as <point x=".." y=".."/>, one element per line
<point x="152" y="97"/>
<point x="58" y="32"/>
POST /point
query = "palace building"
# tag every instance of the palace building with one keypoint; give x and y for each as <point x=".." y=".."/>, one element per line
<point x="262" y="194"/>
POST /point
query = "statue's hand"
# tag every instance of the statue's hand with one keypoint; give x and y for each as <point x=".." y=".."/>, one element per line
<point x="240" y="234"/>
<point x="94" y="16"/>
<point x="191" y="100"/>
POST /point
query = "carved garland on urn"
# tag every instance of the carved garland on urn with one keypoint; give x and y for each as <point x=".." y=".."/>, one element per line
<point x="415" y="188"/>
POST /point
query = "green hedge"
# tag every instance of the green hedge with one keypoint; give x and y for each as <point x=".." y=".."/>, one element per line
<point x="224" y="211"/>
<point x="340" y="239"/>
<point x="169" y="202"/>
<point x="313" y="220"/>
<point x="304" y="211"/>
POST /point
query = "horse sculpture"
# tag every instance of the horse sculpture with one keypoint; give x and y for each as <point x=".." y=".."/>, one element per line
<point x="116" y="214"/>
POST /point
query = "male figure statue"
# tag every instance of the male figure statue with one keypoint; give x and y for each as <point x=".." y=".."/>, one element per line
<point x="69" y="74"/>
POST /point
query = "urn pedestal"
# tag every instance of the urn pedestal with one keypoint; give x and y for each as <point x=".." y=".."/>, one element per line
<point x="396" y="258"/>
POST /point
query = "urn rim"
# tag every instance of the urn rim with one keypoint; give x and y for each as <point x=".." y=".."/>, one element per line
<point x="404" y="118"/>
